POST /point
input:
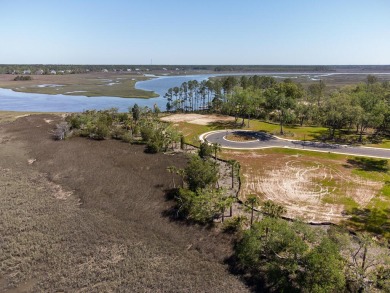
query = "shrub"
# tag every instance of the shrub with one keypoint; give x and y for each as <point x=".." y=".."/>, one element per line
<point x="117" y="132"/>
<point x="201" y="206"/>
<point x="205" y="150"/>
<point x="99" y="132"/>
<point x="153" y="147"/>
<point x="22" y="78"/>
<point x="61" y="131"/>
<point x="146" y="133"/>
<point x="127" y="137"/>
<point x="234" y="224"/>
<point x="200" y="173"/>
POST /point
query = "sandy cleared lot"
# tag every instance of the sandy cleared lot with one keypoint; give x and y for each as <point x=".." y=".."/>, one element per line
<point x="311" y="189"/>
<point x="197" y="118"/>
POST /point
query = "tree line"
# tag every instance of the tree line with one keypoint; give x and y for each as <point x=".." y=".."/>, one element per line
<point x="353" y="109"/>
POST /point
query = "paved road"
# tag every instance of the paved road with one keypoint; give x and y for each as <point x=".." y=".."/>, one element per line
<point x="264" y="140"/>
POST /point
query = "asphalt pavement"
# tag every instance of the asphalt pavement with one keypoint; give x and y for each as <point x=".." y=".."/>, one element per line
<point x="264" y="140"/>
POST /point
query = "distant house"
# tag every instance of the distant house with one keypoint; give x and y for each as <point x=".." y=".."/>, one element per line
<point x="165" y="69"/>
<point x="137" y="69"/>
<point x="61" y="72"/>
<point x="53" y="72"/>
<point x="68" y="71"/>
<point x="128" y="69"/>
<point x="27" y="71"/>
<point x="177" y="69"/>
<point x="86" y="70"/>
<point x="104" y="70"/>
<point x="39" y="72"/>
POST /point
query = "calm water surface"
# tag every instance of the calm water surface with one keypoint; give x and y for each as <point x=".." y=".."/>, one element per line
<point x="18" y="101"/>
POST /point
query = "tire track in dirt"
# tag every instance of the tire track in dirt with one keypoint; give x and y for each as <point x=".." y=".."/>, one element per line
<point x="306" y="187"/>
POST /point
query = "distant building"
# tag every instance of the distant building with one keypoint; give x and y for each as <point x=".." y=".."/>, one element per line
<point x="128" y="69"/>
<point x="104" y="70"/>
<point x="27" y="71"/>
<point x="137" y="69"/>
<point x="165" y="69"/>
<point x="39" y="72"/>
<point x="53" y="72"/>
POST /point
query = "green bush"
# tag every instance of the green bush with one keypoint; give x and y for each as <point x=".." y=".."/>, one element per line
<point x="146" y="132"/>
<point x="99" y="132"/>
<point x="201" y="206"/>
<point x="234" y="224"/>
<point x="118" y="132"/>
<point x="205" y="150"/>
<point x="22" y="77"/>
<point x="153" y="147"/>
<point x="127" y="137"/>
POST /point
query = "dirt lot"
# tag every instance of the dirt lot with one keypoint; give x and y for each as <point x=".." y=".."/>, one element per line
<point x="88" y="216"/>
<point x="197" y="118"/>
<point x="314" y="189"/>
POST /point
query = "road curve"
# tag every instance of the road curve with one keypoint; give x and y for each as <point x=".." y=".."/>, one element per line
<point x="264" y="140"/>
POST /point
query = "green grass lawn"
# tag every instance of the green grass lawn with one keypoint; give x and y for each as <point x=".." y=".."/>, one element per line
<point x="291" y="132"/>
<point x="309" y="133"/>
<point x="192" y="131"/>
<point x="384" y="144"/>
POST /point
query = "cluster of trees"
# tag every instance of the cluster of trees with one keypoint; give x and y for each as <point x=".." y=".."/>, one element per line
<point x="138" y="125"/>
<point x="353" y="108"/>
<point x="22" y="77"/>
<point x="295" y="257"/>
<point x="200" y="198"/>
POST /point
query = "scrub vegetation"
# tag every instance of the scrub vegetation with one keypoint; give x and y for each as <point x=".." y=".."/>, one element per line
<point x="140" y="125"/>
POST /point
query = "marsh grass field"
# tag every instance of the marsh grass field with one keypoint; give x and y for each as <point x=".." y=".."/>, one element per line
<point x="88" y="84"/>
<point x="91" y="216"/>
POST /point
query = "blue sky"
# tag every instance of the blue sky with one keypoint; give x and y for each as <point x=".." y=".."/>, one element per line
<point x="195" y="32"/>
